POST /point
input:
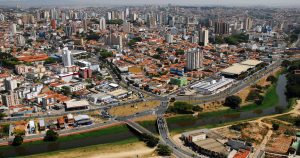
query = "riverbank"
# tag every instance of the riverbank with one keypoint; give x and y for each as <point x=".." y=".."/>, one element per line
<point x="273" y="103"/>
<point x="112" y="134"/>
<point x="127" y="148"/>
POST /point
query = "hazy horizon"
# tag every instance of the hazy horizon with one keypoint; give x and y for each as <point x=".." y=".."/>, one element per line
<point x="85" y="3"/>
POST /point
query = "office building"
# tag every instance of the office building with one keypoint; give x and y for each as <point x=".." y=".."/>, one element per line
<point x="194" y="59"/>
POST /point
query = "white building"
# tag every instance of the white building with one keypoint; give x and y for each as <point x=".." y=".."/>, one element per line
<point x="194" y="59"/>
<point x="203" y="37"/>
<point x="21" y="40"/>
<point x="213" y="86"/>
<point x="248" y="23"/>
<point x="67" y="58"/>
<point x="13" y="28"/>
<point x="10" y="84"/>
<point x="102" y="24"/>
<point x="169" y="38"/>
<point x="2" y="17"/>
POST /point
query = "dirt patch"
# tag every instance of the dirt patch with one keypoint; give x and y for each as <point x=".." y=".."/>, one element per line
<point x="133" y="108"/>
<point x="145" y="118"/>
<point x="138" y="149"/>
<point x="251" y="132"/>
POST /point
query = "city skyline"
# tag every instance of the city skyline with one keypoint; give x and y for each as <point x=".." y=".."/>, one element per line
<point x="80" y="3"/>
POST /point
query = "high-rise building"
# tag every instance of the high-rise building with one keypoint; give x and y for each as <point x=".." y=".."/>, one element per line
<point x="194" y="59"/>
<point x="85" y="72"/>
<point x="248" y="23"/>
<point x="126" y="27"/>
<point x="68" y="30"/>
<point x="63" y="17"/>
<point x="84" y="24"/>
<point x="10" y="99"/>
<point x="114" y="39"/>
<point x="53" y="24"/>
<point x="2" y="17"/>
<point x="127" y="12"/>
<point x="10" y="84"/>
<point x="53" y="13"/>
<point x="21" y="40"/>
<point x="102" y="24"/>
<point x="13" y="28"/>
<point x="108" y="16"/>
<point x="221" y="28"/>
<point x="169" y="38"/>
<point x="67" y="58"/>
<point x="203" y="37"/>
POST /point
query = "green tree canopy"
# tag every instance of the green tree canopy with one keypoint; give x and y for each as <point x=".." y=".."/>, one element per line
<point x="233" y="101"/>
<point x="18" y="140"/>
<point x="51" y="135"/>
<point x="163" y="150"/>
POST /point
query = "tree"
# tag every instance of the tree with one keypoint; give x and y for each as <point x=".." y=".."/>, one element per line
<point x="233" y="101"/>
<point x="181" y="108"/>
<point x="18" y="140"/>
<point x="286" y="63"/>
<point x="106" y="54"/>
<point x="50" y="60"/>
<point x="275" y="126"/>
<point x="66" y="90"/>
<point x="297" y="122"/>
<point x="149" y="140"/>
<point x="51" y="135"/>
<point x="197" y="108"/>
<point x="180" y="52"/>
<point x="163" y="150"/>
<point x="272" y="79"/>
<point x="253" y="95"/>
<point x="2" y="115"/>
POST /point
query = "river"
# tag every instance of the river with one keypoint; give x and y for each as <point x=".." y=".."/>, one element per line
<point x="282" y="103"/>
<point x="26" y="149"/>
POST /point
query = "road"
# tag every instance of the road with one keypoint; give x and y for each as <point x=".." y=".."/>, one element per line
<point x="166" y="139"/>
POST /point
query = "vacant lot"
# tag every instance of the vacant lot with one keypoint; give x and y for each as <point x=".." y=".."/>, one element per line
<point x="133" y="108"/>
<point x="251" y="132"/>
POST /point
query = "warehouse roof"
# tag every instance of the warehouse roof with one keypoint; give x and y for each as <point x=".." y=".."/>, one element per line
<point x="118" y="92"/>
<point x="251" y="62"/>
<point x="75" y="104"/>
<point x="236" y="69"/>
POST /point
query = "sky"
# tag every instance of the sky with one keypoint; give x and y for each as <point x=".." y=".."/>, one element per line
<point x="83" y="3"/>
